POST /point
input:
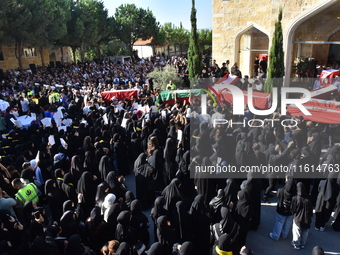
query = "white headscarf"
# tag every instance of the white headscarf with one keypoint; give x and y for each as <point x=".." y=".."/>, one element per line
<point x="107" y="205"/>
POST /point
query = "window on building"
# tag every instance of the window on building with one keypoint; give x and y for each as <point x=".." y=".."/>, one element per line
<point x="1" y="56"/>
<point x="30" y="52"/>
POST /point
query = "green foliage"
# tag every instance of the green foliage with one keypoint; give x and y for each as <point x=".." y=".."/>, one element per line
<point x="115" y="48"/>
<point x="194" y="54"/>
<point x="161" y="78"/>
<point x="276" y="67"/>
<point x="83" y="25"/>
<point x="134" y="23"/>
<point x="205" y="37"/>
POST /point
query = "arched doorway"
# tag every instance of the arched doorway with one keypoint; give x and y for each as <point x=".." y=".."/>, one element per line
<point x="308" y="35"/>
<point x="250" y="42"/>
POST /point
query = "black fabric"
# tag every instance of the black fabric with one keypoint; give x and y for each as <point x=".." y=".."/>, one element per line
<point x="201" y="225"/>
<point x="184" y="225"/>
<point x="302" y="207"/>
<point x="74" y="246"/>
<point x="284" y="198"/>
<point x="172" y="195"/>
<point x="187" y="248"/>
<point x="101" y="193"/>
<point x="155" y="249"/>
<point x="105" y="166"/>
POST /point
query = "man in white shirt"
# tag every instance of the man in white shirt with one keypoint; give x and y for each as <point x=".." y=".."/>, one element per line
<point x="24" y="105"/>
<point x="317" y="83"/>
<point x="87" y="108"/>
<point x="217" y="115"/>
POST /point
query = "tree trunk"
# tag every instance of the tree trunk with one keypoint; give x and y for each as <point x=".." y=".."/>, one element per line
<point x="175" y="48"/>
<point x="18" y="53"/>
<point x="74" y="54"/>
<point x="168" y="51"/>
<point x="98" y="52"/>
<point x="81" y="49"/>
<point x="62" y="54"/>
<point x="41" y="51"/>
<point x="131" y="53"/>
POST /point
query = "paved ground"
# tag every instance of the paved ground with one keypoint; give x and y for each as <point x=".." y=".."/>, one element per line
<point x="260" y="242"/>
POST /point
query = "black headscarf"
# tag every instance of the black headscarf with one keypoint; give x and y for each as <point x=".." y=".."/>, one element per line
<point x="105" y="166"/>
<point x="87" y="186"/>
<point x="129" y="197"/>
<point x="172" y="194"/>
<point x="217" y="201"/>
<point x="123" y="249"/>
<point x="74" y="246"/>
<point x="68" y="224"/>
<point x="123" y="227"/>
<point x="227" y="224"/>
<point x="112" y="180"/>
<point x="58" y="175"/>
<point x="67" y="206"/>
<point x="155" y="249"/>
<point x="184" y="221"/>
<point x="302" y="207"/>
<point x="158" y="209"/>
<point x="230" y="191"/>
<point x="69" y="188"/>
<point x="315" y="145"/>
<point x="225" y="243"/>
<point x="101" y="194"/>
<point x="76" y="167"/>
<point x="165" y="234"/>
<point x="90" y="164"/>
<point x="187" y="248"/>
<point x="244" y="206"/>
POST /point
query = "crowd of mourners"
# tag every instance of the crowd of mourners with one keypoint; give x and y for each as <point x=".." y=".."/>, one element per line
<point x="69" y="196"/>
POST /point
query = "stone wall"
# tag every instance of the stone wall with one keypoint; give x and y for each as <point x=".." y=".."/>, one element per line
<point x="11" y="62"/>
<point x="234" y="17"/>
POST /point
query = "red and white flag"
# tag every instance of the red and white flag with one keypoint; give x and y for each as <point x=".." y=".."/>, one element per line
<point x="228" y="79"/>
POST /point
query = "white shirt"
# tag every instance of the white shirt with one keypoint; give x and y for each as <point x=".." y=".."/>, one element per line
<point x="24" y="105"/>
<point x="259" y="87"/>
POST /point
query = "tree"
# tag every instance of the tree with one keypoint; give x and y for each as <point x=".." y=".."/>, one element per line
<point x="205" y="38"/>
<point x="194" y="54"/>
<point x="134" y="23"/>
<point x="168" y="31"/>
<point x="49" y="17"/>
<point x="181" y="37"/>
<point x="276" y="67"/>
<point x="17" y="30"/>
<point x="161" y="77"/>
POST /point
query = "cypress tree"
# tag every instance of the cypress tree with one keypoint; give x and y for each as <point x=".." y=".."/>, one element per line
<point x="194" y="54"/>
<point x="276" y="66"/>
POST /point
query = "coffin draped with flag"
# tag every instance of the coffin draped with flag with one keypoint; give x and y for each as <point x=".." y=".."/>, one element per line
<point x="260" y="100"/>
<point x="169" y="96"/>
<point x="323" y="111"/>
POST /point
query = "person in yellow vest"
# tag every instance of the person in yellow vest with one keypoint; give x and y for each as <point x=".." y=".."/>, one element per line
<point x="26" y="193"/>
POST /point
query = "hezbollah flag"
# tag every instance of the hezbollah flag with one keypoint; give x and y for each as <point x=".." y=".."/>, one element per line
<point x="169" y="96"/>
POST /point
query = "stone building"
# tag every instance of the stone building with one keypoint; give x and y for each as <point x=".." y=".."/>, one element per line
<point x="31" y="56"/>
<point x="243" y="29"/>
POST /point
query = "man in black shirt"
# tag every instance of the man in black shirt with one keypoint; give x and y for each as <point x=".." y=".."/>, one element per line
<point x="256" y="66"/>
<point x="263" y="65"/>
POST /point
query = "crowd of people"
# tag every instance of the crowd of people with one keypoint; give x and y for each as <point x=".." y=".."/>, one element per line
<point x="63" y="191"/>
